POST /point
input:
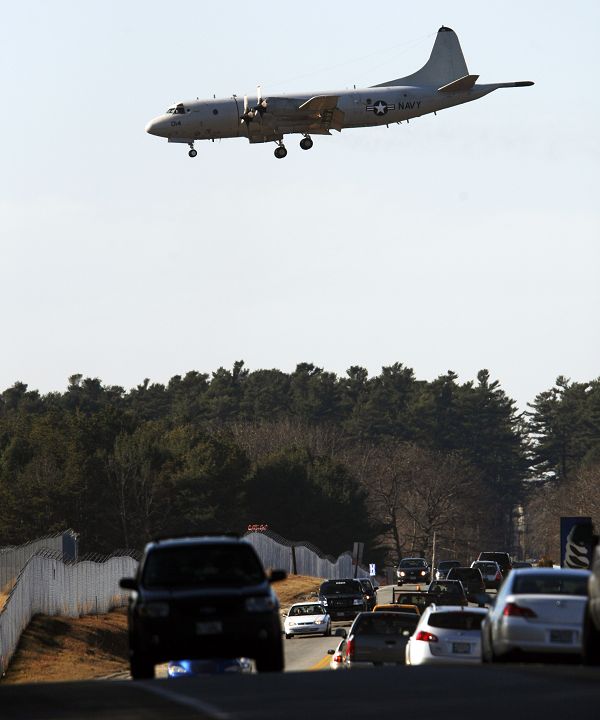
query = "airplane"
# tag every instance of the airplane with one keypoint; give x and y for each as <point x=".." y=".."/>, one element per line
<point x="444" y="81"/>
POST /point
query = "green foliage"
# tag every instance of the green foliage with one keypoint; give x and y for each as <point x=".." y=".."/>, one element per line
<point x="190" y="455"/>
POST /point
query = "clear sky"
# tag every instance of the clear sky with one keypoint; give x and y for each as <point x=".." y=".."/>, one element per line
<point x="461" y="241"/>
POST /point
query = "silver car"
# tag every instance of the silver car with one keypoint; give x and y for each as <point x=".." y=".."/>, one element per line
<point x="538" y="611"/>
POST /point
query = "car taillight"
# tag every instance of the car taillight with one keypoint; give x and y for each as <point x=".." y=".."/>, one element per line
<point x="426" y="636"/>
<point x="498" y="575"/>
<point x="511" y="609"/>
<point x="337" y="658"/>
<point x="350" y="648"/>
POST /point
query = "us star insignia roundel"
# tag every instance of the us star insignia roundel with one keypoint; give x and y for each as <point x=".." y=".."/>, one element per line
<point x="380" y="107"/>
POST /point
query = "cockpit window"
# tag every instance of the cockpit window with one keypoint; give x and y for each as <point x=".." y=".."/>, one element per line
<point x="177" y="110"/>
<point x="170" y="111"/>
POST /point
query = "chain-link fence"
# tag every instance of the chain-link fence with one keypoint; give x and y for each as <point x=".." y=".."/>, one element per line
<point x="13" y="558"/>
<point x="301" y="558"/>
<point x="49" y="584"/>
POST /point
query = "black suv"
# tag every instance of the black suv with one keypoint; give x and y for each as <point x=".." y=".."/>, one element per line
<point x="202" y="597"/>
<point x="342" y="598"/>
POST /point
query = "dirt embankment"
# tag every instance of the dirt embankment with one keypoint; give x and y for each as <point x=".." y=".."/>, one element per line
<point x="55" y="649"/>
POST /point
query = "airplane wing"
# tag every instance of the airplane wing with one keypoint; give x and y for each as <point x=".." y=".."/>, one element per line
<point x="317" y="116"/>
<point x="324" y="109"/>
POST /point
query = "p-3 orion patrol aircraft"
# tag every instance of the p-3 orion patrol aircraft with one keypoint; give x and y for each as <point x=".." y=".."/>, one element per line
<point x="442" y="82"/>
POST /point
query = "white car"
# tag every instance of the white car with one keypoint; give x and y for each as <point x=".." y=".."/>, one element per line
<point x="446" y="634"/>
<point x="538" y="610"/>
<point x="307" y="619"/>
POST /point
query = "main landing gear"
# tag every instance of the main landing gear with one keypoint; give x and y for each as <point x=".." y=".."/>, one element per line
<point x="192" y="152"/>
<point x="280" y="150"/>
<point x="306" y="143"/>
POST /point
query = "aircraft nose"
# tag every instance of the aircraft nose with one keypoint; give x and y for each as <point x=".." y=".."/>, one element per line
<point x="152" y="127"/>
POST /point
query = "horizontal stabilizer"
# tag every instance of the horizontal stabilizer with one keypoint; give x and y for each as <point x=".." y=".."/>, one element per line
<point x="460" y="85"/>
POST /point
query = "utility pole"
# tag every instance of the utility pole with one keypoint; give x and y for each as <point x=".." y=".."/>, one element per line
<point x="433" y="555"/>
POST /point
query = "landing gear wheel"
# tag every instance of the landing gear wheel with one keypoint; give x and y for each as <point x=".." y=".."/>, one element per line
<point x="193" y="153"/>
<point x="306" y="143"/>
<point x="280" y="152"/>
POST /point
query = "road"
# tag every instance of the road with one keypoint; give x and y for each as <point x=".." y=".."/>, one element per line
<point x="452" y="693"/>
<point x="503" y="692"/>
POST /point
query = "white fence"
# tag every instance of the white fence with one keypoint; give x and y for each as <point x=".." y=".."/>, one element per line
<point x="52" y="587"/>
<point x="14" y="558"/>
<point x="301" y="558"/>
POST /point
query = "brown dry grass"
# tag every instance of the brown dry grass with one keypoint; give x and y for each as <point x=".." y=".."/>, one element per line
<point x="54" y="649"/>
<point x="4" y="593"/>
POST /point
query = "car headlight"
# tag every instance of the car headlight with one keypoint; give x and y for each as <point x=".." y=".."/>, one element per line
<point x="357" y="602"/>
<point x="292" y="623"/>
<point x="423" y="572"/>
<point x="154" y="610"/>
<point x="318" y="622"/>
<point x="324" y="601"/>
<point x="262" y="603"/>
<point x="175" y="670"/>
<point x="402" y="573"/>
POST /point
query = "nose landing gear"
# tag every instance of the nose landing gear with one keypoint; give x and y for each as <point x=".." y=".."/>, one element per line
<point x="192" y="152"/>
<point x="306" y="143"/>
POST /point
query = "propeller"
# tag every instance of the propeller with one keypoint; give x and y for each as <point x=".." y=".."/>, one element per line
<point x="260" y="107"/>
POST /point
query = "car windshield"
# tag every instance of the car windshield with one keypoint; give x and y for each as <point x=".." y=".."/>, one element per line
<point x="412" y="563"/>
<point x="307" y="610"/>
<point x="456" y="620"/>
<point x="445" y="564"/>
<point x="340" y="587"/>
<point x="199" y="565"/>
<point x="550" y="584"/>
<point x="467" y="573"/>
<point x="383" y="624"/>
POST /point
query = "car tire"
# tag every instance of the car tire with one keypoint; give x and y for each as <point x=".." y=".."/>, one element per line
<point x="272" y="659"/>
<point x="487" y="651"/>
<point x="140" y="669"/>
<point x="288" y="636"/>
<point x="591" y="641"/>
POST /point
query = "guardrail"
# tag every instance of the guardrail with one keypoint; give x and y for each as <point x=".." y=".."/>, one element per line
<point x="301" y="557"/>
<point x="13" y="558"/>
<point x="49" y="584"/>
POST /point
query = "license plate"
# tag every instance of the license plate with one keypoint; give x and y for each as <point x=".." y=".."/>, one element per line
<point x="462" y="648"/>
<point x="209" y="628"/>
<point x="561" y="636"/>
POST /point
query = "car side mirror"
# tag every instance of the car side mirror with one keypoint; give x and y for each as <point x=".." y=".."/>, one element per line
<point x="340" y="632"/>
<point x="128" y="583"/>
<point x="331" y="652"/>
<point x="277" y="576"/>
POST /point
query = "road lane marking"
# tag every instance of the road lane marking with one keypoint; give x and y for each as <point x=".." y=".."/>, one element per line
<point x="322" y="664"/>
<point x="186" y="700"/>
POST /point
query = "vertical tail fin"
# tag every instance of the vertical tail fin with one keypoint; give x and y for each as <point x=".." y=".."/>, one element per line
<point x="446" y="63"/>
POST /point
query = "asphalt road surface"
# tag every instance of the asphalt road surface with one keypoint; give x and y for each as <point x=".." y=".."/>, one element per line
<point x="428" y="693"/>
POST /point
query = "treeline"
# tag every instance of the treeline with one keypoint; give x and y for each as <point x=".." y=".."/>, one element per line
<point x="564" y="425"/>
<point x="388" y="459"/>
